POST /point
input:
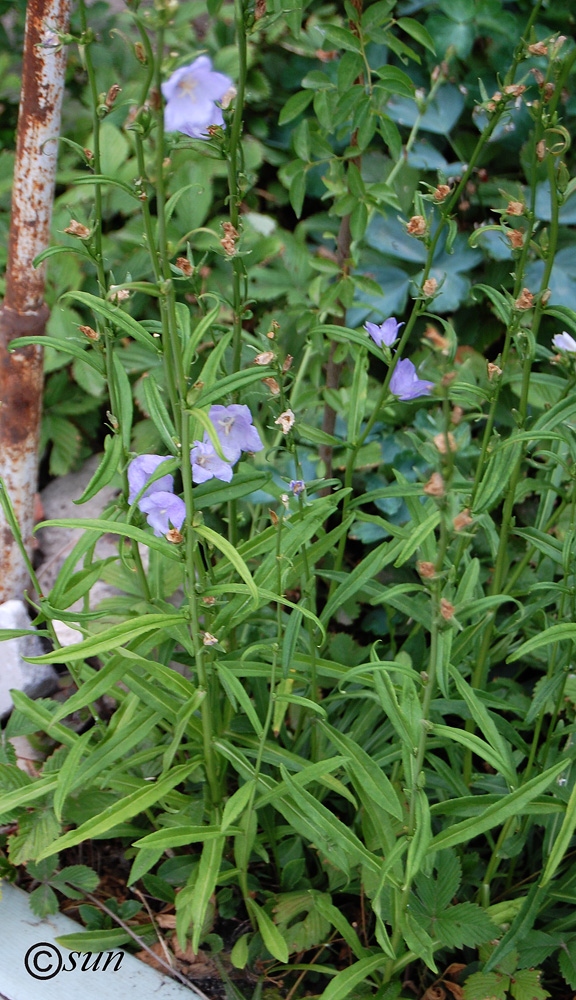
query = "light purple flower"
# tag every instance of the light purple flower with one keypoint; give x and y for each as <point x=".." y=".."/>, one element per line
<point x="139" y="472"/>
<point x="235" y="430"/>
<point x="386" y="333"/>
<point x="405" y="383"/>
<point x="564" y="342"/>
<point x="297" y="486"/>
<point x="190" y="94"/>
<point x="206" y="464"/>
<point x="162" y="510"/>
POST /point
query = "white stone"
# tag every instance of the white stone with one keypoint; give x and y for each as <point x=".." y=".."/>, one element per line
<point x="34" y="679"/>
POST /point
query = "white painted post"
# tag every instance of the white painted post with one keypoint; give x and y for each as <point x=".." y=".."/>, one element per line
<point x="24" y="311"/>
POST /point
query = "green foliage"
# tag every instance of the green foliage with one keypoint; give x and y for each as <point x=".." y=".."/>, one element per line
<point x="339" y="714"/>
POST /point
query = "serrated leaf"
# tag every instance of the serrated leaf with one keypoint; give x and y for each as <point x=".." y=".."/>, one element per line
<point x="484" y="985"/>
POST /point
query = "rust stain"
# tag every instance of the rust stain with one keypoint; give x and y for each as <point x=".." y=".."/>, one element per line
<point x="24" y="312"/>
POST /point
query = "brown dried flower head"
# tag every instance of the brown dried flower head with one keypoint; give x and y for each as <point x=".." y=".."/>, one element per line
<point x="209" y="600"/>
<point x="77" y="229"/>
<point x="525" y="300"/>
<point x="264" y="358"/>
<point x="140" y="53"/>
<point x="436" y="339"/>
<point x="515" y="208"/>
<point x="287" y="363"/>
<point x="426" y="570"/>
<point x="435" y="486"/>
<point x="88" y="153"/>
<point x="541" y="150"/>
<point x="185" y="266"/>
<point x="272" y="385"/>
<point x="174" y="536"/>
<point x="286" y="421"/>
<point x="429" y="287"/>
<point x="456" y="415"/>
<point x="273" y="517"/>
<point x="538" y="49"/>
<point x="229" y="96"/>
<point x="119" y="294"/>
<point x="259" y="9"/>
<point x="444" y="442"/>
<point x="538" y="76"/>
<point x="463" y="520"/>
<point x="441" y="192"/>
<point x="89" y="332"/>
<point x="548" y="91"/>
<point x="493" y="370"/>
<point x="416" y="226"/>
<point x="515" y="89"/>
<point x="112" y="95"/>
<point x="228" y="241"/>
<point x="516" y="237"/>
<point x="446" y="609"/>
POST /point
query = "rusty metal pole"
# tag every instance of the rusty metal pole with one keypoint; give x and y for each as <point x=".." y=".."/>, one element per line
<point x="24" y="312"/>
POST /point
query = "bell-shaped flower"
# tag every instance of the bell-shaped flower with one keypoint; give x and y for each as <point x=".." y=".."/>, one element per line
<point x="386" y="333"/>
<point x="163" y="510"/>
<point x="206" y="464"/>
<point x="405" y="382"/>
<point x="564" y="342"/>
<point x="139" y="472"/>
<point x="191" y="93"/>
<point x="235" y="430"/>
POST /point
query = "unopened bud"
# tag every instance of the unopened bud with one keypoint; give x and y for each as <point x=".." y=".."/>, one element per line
<point x="208" y="639"/>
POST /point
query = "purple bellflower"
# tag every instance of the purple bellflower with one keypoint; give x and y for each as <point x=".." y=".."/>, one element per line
<point x="206" y="464"/>
<point x="163" y="509"/>
<point x="139" y="472"/>
<point x="385" y="334"/>
<point x="235" y="430"/>
<point x="405" y="383"/>
<point x="564" y="342"/>
<point x="190" y="94"/>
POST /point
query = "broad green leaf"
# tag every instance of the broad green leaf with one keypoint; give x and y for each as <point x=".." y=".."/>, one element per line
<point x="127" y="807"/>
<point x="232" y="554"/>
<point x="497" y="812"/>
<point x="110" y="639"/>
<point x="343" y="984"/>
<point x="205" y="884"/>
<point x="271" y="936"/>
